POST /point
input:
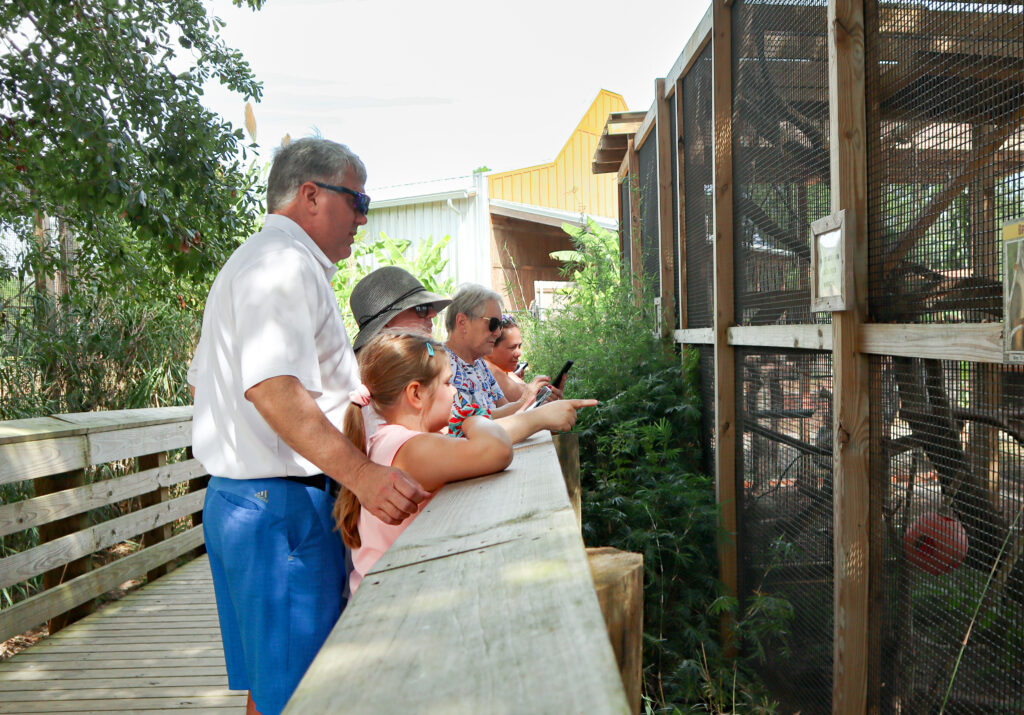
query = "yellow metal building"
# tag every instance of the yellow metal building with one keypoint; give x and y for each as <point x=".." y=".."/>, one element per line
<point x="528" y="207"/>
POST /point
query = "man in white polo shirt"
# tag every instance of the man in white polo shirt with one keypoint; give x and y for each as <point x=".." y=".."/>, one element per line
<point x="272" y="375"/>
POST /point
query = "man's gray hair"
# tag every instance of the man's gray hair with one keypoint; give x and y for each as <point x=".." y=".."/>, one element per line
<point x="309" y="159"/>
<point x="469" y="299"/>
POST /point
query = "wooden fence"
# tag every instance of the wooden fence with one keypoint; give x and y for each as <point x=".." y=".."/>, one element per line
<point x="84" y="513"/>
<point x="837" y="431"/>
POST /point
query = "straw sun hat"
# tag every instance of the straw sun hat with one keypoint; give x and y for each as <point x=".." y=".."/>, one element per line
<point x="382" y="295"/>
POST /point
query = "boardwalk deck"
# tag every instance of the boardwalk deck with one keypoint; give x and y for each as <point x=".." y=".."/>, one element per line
<point x="156" y="650"/>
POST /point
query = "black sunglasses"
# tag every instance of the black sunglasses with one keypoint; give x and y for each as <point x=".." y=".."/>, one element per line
<point x="362" y="201"/>
<point x="492" y="323"/>
<point x="422" y="311"/>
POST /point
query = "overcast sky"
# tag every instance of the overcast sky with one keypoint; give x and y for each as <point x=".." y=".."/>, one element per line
<point x="423" y="90"/>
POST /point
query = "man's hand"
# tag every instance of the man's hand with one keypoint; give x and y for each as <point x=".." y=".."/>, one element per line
<point x="388" y="493"/>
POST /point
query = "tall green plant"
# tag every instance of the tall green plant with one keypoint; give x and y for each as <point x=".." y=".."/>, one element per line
<point x="426" y="262"/>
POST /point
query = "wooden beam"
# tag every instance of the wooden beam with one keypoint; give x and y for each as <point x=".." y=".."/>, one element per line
<point x="667" y="241"/>
<point x="852" y="617"/>
<point x="802" y="337"/>
<point x="644" y="131"/>
<point x="725" y="360"/>
<point x="977" y="342"/>
<point x="694" y="336"/>
<point x="694" y="46"/>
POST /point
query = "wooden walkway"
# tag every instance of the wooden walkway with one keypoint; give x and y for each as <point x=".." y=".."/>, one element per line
<point x="155" y="650"/>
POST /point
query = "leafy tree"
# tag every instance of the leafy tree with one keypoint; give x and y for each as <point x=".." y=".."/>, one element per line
<point x="101" y="126"/>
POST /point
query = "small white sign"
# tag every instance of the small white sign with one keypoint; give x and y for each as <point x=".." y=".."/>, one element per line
<point x="830" y="282"/>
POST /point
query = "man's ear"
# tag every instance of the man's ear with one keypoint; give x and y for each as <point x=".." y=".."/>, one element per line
<point x="309" y="194"/>
<point x="461" y="319"/>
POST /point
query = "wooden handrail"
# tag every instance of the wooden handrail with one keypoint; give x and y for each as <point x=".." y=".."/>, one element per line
<point x="484" y="603"/>
<point x="52" y="452"/>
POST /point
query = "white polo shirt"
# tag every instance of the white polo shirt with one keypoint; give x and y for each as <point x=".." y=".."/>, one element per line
<point x="271" y="311"/>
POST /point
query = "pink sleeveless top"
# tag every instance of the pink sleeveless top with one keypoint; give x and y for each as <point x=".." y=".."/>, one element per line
<point x="375" y="535"/>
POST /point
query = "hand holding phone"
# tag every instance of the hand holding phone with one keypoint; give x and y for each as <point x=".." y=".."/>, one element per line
<point x="542" y="397"/>
<point x="560" y="377"/>
<point x="521" y="369"/>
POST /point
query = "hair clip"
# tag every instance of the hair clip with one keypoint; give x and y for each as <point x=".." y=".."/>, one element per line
<point x="430" y="349"/>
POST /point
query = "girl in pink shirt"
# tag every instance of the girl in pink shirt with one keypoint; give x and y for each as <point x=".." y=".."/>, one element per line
<point x="407" y="380"/>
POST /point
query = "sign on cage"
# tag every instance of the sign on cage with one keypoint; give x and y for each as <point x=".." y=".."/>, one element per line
<point x="1013" y="291"/>
<point x="831" y="285"/>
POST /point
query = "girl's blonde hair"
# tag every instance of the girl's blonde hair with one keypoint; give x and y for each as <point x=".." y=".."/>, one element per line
<point x="389" y="362"/>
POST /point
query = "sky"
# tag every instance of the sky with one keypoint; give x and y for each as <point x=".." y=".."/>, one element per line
<point x="423" y="90"/>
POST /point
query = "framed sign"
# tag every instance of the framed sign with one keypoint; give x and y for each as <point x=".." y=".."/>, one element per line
<point x="1013" y="291"/>
<point x="830" y="279"/>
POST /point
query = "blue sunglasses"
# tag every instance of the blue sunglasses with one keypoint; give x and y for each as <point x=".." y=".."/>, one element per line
<point x="362" y="201"/>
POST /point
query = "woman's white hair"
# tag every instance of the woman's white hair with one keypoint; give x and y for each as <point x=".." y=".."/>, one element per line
<point x="469" y="299"/>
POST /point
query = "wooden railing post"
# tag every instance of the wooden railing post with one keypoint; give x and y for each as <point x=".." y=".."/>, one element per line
<point x="619" y="584"/>
<point x="56" y="529"/>
<point x="724" y="314"/>
<point x="158" y="495"/>
<point x="851" y="459"/>
<point x="567" y="447"/>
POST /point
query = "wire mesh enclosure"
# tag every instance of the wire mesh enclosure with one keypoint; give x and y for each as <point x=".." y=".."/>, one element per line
<point x="947" y="479"/>
<point x="784" y="483"/>
<point x="945" y="155"/>
<point x="780" y="154"/>
<point x="706" y="366"/>
<point x="675" y="320"/>
<point x="698" y="175"/>
<point x="650" y="240"/>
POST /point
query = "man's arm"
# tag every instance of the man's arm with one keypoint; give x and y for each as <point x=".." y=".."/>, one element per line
<point x="388" y="493"/>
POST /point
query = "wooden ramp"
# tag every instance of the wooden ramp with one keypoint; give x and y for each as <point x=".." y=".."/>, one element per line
<point x="155" y="650"/>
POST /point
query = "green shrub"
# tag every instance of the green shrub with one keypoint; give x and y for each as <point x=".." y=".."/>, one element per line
<point x="642" y="486"/>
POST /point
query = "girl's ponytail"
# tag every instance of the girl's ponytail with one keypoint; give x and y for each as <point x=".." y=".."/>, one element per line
<point x="346" y="507"/>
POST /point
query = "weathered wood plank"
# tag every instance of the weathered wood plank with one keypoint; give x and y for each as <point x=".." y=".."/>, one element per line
<point x="41" y="510"/>
<point x="977" y="342"/>
<point x="851" y="451"/>
<point x="119" y="419"/>
<point x="804" y="337"/>
<point x="25" y="565"/>
<point x="124" y="443"/>
<point x="230" y="701"/>
<point x="42" y="457"/>
<point x="33" y="428"/>
<point x="499" y="616"/>
<point x="35" y="610"/>
<point x="500" y="629"/>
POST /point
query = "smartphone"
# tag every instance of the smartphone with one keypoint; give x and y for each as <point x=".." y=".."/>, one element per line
<point x="521" y="368"/>
<point x="542" y="395"/>
<point x="560" y="377"/>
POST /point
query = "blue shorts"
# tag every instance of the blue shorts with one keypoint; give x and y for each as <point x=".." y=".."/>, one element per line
<point x="278" y="571"/>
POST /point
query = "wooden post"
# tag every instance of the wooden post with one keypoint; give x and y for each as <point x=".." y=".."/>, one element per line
<point x="851" y="502"/>
<point x="666" y="238"/>
<point x="725" y="359"/>
<point x="634" y="210"/>
<point x="619" y="583"/>
<point x="55" y="530"/>
<point x="160" y="494"/>
<point x="567" y="447"/>
<point x="680" y="153"/>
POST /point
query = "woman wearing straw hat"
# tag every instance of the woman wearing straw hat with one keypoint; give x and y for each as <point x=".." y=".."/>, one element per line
<point x="391" y="297"/>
